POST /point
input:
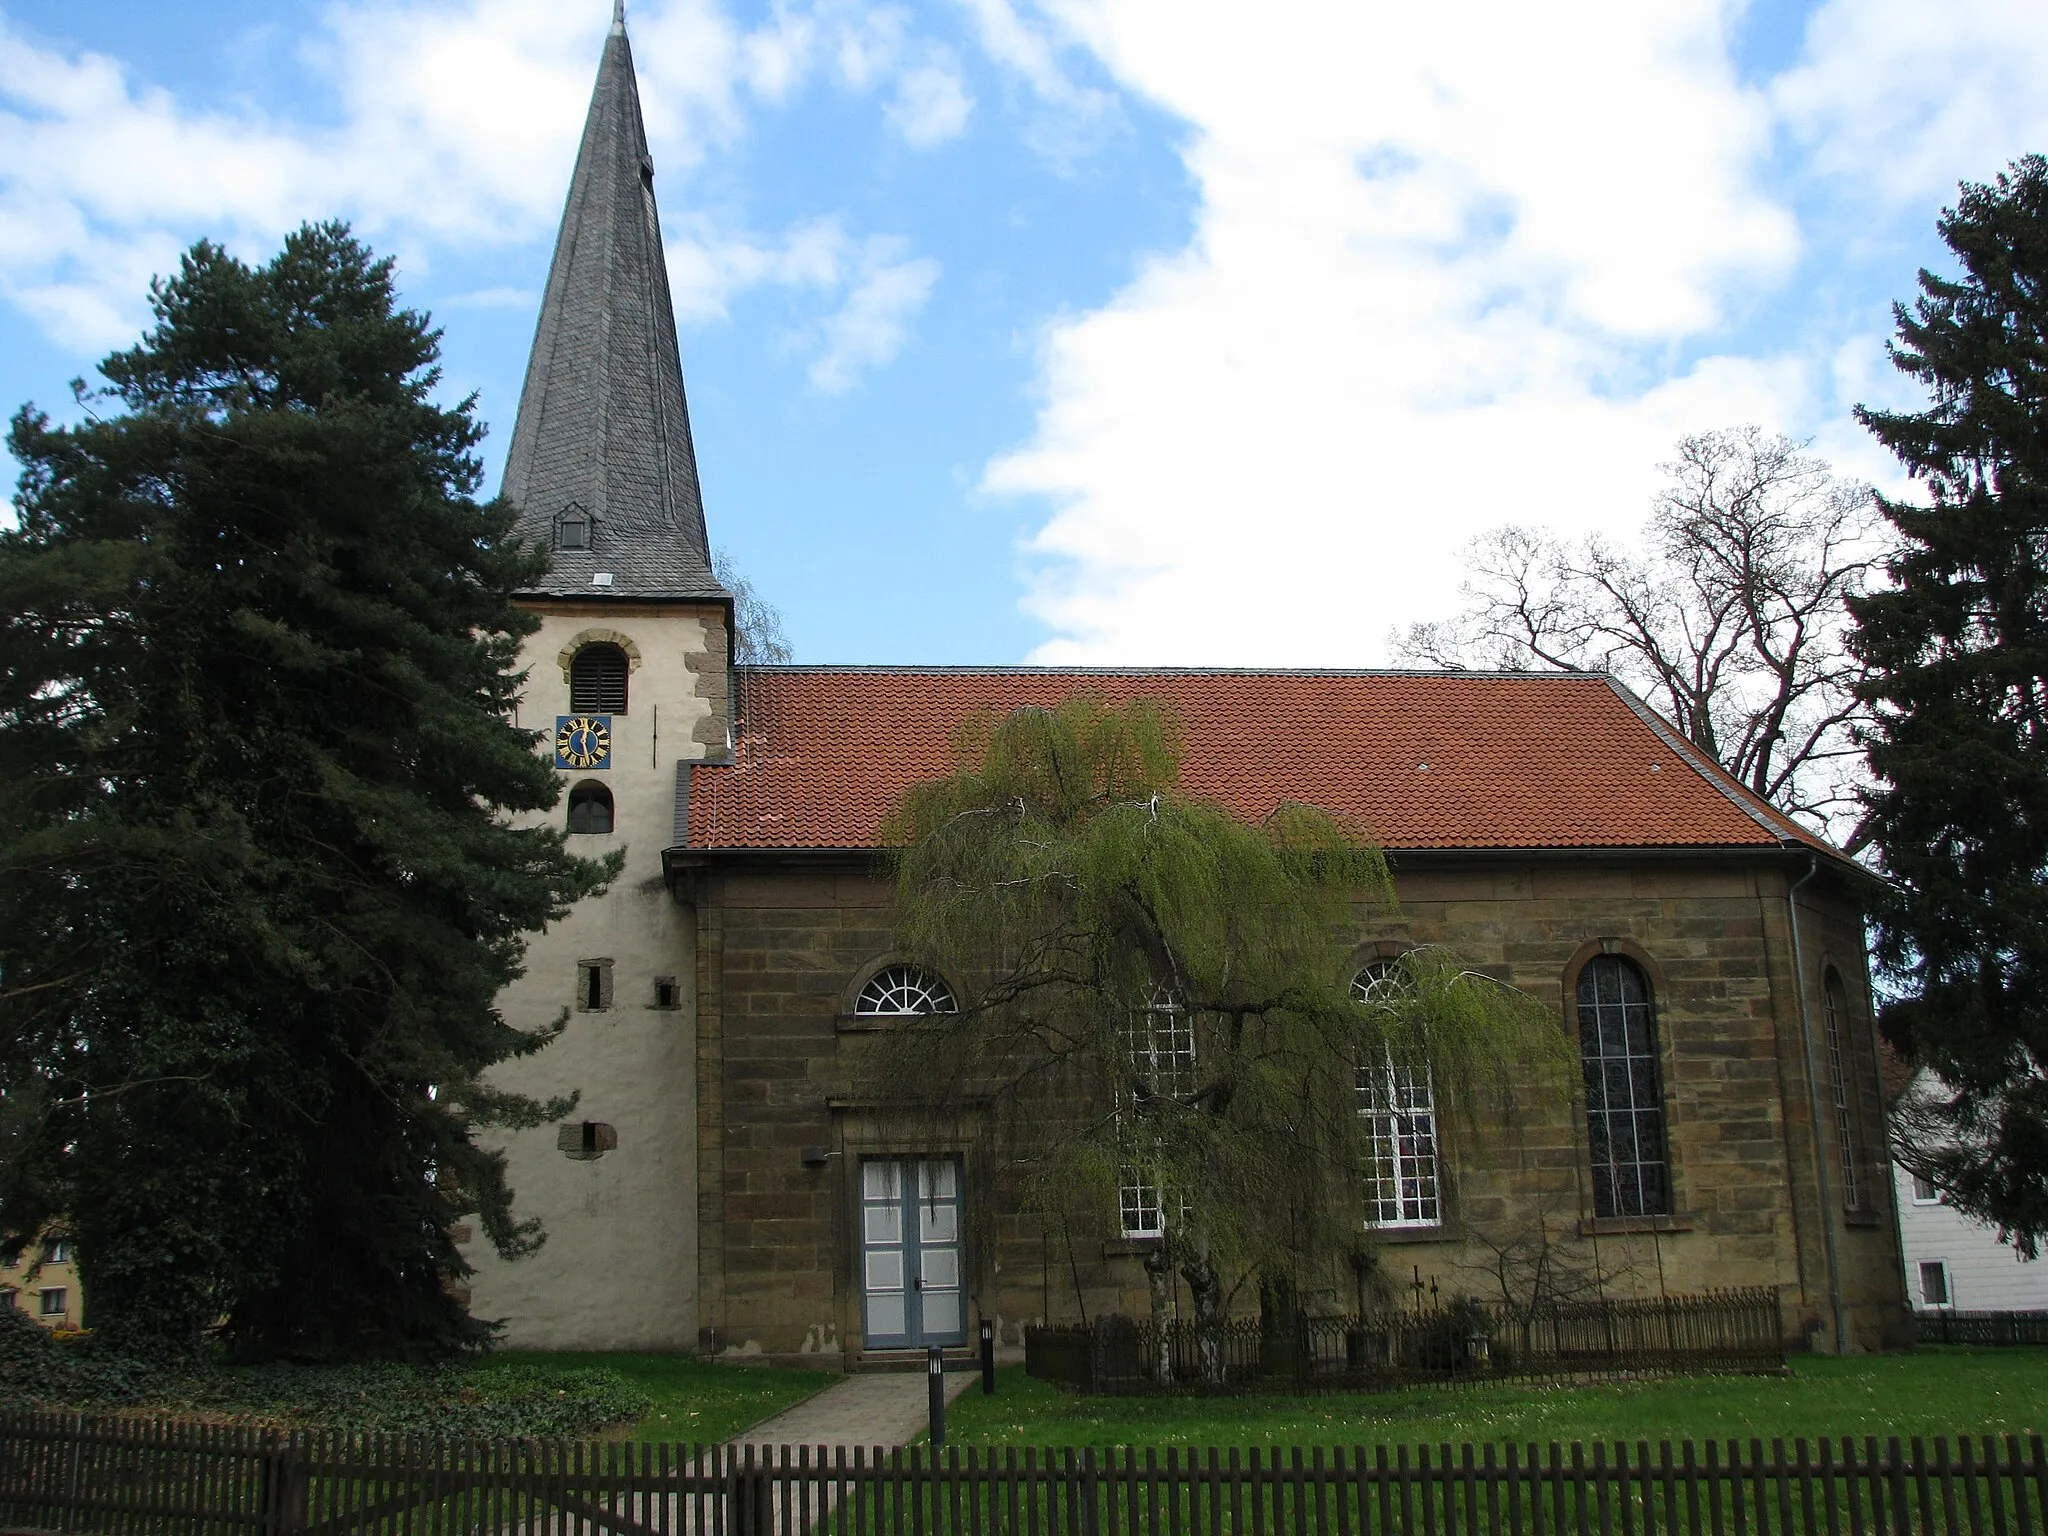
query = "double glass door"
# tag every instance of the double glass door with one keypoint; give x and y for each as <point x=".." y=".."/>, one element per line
<point x="911" y="1290"/>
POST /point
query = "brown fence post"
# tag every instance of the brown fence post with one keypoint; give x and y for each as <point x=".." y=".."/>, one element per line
<point x="282" y="1485"/>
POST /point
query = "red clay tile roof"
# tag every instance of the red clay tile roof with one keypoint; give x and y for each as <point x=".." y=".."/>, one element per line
<point x="1426" y="759"/>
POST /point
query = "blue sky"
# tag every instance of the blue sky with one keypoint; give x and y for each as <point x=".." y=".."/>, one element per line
<point x="1093" y="330"/>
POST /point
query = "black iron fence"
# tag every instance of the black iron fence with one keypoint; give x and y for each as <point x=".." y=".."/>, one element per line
<point x="1466" y="1340"/>
<point x="1994" y="1328"/>
<point x="124" y="1479"/>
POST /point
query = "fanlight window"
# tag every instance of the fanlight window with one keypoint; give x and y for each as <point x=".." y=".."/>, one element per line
<point x="597" y="680"/>
<point x="1398" y="1105"/>
<point x="590" y="808"/>
<point x="1840" y="1079"/>
<point x="904" y="991"/>
<point x="1624" y="1106"/>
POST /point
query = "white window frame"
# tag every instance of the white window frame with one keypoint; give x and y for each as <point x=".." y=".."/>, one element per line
<point x="903" y="992"/>
<point x="63" y="1306"/>
<point x="1948" y="1286"/>
<point x="1404" y="1185"/>
<point x="1160" y="1038"/>
<point x="1933" y="1195"/>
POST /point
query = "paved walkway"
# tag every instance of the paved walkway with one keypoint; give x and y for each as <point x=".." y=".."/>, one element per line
<point x="870" y="1408"/>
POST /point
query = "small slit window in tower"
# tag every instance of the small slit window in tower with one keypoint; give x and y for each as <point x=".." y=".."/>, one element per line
<point x="666" y="993"/>
<point x="590" y="808"/>
<point x="593" y="985"/>
<point x="597" y="680"/>
<point x="586" y="1141"/>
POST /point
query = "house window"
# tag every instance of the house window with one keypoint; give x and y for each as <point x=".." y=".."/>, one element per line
<point x="1836" y="1010"/>
<point x="1924" y="1192"/>
<point x="590" y="808"/>
<point x="55" y="1300"/>
<point x="1934" y="1283"/>
<point x="572" y="529"/>
<point x="1398" y="1105"/>
<point x="904" y="991"/>
<point x="56" y="1250"/>
<point x="597" y="679"/>
<point x="8" y="1296"/>
<point x="1624" y="1105"/>
<point x="593" y="985"/>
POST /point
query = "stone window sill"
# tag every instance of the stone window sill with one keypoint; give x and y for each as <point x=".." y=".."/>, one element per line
<point x="1622" y="1226"/>
<point x="1862" y="1219"/>
<point x="1408" y="1237"/>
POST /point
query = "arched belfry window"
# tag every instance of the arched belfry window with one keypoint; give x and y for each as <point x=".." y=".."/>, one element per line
<point x="573" y="527"/>
<point x="590" y="808"/>
<point x="904" y="991"/>
<point x="1624" y="1102"/>
<point x="1398" y="1105"/>
<point x="597" y="680"/>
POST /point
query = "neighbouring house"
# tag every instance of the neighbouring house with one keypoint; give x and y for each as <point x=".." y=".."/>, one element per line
<point x="43" y="1282"/>
<point x="1956" y="1262"/>
<point x="722" y="1189"/>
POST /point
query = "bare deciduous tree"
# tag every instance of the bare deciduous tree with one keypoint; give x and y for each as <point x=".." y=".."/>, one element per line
<point x="1729" y="619"/>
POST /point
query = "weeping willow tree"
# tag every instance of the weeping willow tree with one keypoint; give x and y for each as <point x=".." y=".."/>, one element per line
<point x="1157" y="997"/>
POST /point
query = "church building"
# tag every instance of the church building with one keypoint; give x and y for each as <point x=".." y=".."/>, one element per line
<point x="721" y="1189"/>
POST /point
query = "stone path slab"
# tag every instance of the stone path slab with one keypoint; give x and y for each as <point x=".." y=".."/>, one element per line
<point x="886" y="1408"/>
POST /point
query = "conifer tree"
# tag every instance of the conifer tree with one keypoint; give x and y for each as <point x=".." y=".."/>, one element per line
<point x="259" y="877"/>
<point x="1156" y="993"/>
<point x="1958" y="652"/>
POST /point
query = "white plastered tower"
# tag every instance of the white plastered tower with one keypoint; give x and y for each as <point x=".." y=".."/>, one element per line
<point x="603" y="473"/>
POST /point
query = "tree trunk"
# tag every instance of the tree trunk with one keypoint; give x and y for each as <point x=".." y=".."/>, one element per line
<point x="1207" y="1288"/>
<point x="1159" y="1277"/>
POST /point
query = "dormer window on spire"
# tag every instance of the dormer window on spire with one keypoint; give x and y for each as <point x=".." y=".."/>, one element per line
<point x="573" y="527"/>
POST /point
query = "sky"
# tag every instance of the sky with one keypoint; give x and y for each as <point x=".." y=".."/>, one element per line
<point x="1081" y="331"/>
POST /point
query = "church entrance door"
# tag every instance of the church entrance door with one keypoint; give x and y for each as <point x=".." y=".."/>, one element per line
<point x="911" y="1290"/>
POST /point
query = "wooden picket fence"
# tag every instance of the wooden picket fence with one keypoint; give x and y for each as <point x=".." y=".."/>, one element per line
<point x="68" y="1474"/>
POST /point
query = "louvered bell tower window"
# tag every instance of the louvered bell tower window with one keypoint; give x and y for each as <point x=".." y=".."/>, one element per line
<point x="572" y="529"/>
<point x="597" y="680"/>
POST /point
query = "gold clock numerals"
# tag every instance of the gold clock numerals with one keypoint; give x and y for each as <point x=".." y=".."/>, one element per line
<point x="583" y="741"/>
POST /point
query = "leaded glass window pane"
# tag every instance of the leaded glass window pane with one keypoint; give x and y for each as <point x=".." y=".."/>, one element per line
<point x="1624" y="1104"/>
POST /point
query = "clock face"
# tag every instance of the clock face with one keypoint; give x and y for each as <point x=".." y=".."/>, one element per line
<point x="583" y="741"/>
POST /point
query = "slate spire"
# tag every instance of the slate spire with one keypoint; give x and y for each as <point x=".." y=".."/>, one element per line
<point x="603" y="427"/>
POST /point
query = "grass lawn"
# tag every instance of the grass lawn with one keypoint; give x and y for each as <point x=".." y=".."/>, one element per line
<point x="1928" y="1392"/>
<point x="693" y="1400"/>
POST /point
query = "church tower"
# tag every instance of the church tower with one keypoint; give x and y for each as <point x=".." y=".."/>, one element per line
<point x="628" y="676"/>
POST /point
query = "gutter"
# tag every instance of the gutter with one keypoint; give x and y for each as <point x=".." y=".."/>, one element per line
<point x="1820" y="1159"/>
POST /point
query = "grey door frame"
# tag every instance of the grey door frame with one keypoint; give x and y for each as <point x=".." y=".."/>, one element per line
<point x="910" y="1248"/>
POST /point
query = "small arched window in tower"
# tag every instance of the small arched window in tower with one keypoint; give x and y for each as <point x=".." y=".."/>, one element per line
<point x="590" y="807"/>
<point x="597" y="680"/>
<point x="904" y="991"/>
<point x="572" y="528"/>
<point x="1624" y="1102"/>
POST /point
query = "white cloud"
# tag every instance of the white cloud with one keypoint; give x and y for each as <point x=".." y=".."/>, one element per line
<point x="1903" y="99"/>
<point x="455" y="123"/>
<point x="931" y="103"/>
<point x="869" y="328"/>
<point x="1439" y="256"/>
<point x="875" y="286"/>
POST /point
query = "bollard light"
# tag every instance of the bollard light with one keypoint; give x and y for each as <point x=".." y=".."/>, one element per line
<point x="935" y="1383"/>
<point x="988" y="1358"/>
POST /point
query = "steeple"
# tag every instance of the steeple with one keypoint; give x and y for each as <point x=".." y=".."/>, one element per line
<point x="603" y="429"/>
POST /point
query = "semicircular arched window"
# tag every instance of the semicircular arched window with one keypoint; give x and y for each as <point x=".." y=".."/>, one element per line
<point x="1398" y="1105"/>
<point x="1624" y="1104"/>
<point x="597" y="680"/>
<point x="904" y="991"/>
<point x="590" y="808"/>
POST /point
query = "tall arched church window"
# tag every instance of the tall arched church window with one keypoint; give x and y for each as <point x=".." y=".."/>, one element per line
<point x="904" y="991"/>
<point x="1624" y="1103"/>
<point x="590" y="808"/>
<point x="1160" y="1038"/>
<point x="597" y="680"/>
<point x="1841" y="1082"/>
<point x="1398" y="1105"/>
